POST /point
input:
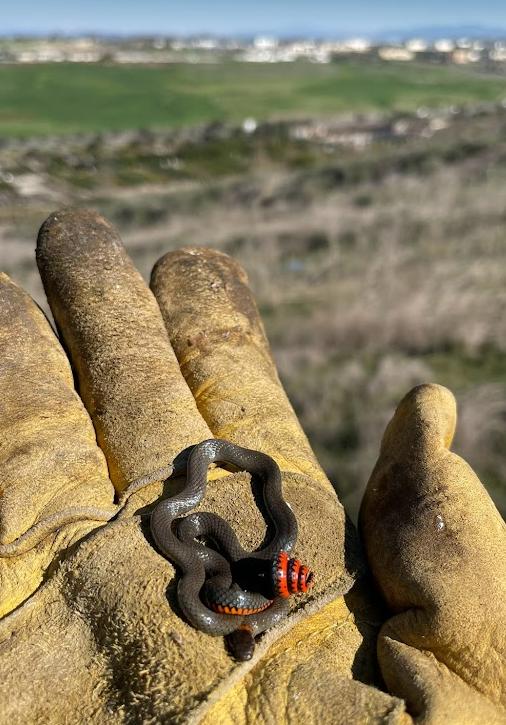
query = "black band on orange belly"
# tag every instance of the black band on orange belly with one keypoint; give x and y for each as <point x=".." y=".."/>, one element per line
<point x="232" y="599"/>
<point x="294" y="567"/>
<point x="280" y="566"/>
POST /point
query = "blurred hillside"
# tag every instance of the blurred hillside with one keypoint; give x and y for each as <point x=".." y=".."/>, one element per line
<point x="374" y="244"/>
<point x="63" y="98"/>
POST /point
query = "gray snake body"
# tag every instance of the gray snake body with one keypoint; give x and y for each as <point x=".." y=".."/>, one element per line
<point x="198" y="562"/>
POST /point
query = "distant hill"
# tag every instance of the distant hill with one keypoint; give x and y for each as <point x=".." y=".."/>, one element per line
<point x="429" y="33"/>
<point x="434" y="32"/>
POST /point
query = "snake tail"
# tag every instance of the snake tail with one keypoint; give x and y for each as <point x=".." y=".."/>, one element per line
<point x="290" y="576"/>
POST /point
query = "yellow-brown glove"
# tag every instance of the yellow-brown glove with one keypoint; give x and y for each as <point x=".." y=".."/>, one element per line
<point x="437" y="548"/>
<point x="88" y="634"/>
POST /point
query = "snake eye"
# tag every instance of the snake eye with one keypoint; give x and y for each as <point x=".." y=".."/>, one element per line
<point x="290" y="576"/>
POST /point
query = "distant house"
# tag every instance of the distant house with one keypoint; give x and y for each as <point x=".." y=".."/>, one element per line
<point x="395" y="53"/>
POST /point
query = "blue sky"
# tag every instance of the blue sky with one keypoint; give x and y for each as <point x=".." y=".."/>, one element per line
<point x="325" y="17"/>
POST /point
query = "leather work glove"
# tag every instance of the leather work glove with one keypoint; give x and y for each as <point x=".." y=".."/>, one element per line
<point x="90" y="628"/>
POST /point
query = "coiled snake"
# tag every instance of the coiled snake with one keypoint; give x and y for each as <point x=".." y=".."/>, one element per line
<point x="226" y="607"/>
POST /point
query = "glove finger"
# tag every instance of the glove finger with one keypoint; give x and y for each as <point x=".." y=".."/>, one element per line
<point x="219" y="340"/>
<point x="437" y="546"/>
<point x="49" y="461"/>
<point x="128" y="376"/>
<point x="218" y="337"/>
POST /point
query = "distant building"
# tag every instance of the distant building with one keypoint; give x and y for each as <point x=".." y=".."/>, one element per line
<point x="357" y="45"/>
<point x="498" y="52"/>
<point x="462" y="56"/>
<point x="264" y="42"/>
<point x="395" y="53"/>
<point x="444" y="45"/>
<point x="417" y="45"/>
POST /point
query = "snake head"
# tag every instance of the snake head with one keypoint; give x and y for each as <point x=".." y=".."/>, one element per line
<point x="241" y="643"/>
<point x="290" y="576"/>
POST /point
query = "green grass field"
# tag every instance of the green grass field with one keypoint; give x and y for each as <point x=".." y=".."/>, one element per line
<point x="55" y="99"/>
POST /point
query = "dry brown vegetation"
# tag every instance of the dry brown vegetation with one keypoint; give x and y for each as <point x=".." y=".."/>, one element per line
<point x="368" y="283"/>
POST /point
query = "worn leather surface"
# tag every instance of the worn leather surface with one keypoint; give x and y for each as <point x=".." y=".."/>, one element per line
<point x="437" y="547"/>
<point x="91" y="629"/>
